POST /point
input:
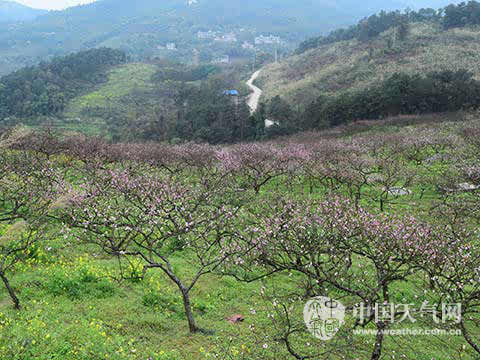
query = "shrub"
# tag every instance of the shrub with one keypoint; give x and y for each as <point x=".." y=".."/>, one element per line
<point x="164" y="301"/>
<point x="399" y="94"/>
<point x="80" y="286"/>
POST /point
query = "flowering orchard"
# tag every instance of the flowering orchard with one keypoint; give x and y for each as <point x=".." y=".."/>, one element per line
<point x="370" y="218"/>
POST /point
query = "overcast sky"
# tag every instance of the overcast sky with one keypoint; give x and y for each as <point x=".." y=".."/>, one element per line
<point x="62" y="4"/>
<point x="53" y="4"/>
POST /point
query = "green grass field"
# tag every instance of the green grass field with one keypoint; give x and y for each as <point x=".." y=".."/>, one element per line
<point x="74" y="308"/>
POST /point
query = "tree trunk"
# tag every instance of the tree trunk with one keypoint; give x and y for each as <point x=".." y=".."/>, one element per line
<point x="467" y="337"/>
<point x="377" y="350"/>
<point x="358" y="195"/>
<point x="188" y="310"/>
<point x="11" y="292"/>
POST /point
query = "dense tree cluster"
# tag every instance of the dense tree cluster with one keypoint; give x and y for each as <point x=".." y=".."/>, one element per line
<point x="454" y="15"/>
<point x="370" y="28"/>
<point x="186" y="74"/>
<point x="207" y="114"/>
<point x="46" y="88"/>
<point x="463" y="14"/>
<point x="400" y="94"/>
<point x="196" y="112"/>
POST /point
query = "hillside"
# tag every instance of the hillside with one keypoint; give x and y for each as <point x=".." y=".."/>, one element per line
<point x="353" y="65"/>
<point x="11" y="11"/>
<point x="101" y="92"/>
<point x="45" y="90"/>
<point x="149" y="28"/>
<point x="105" y="106"/>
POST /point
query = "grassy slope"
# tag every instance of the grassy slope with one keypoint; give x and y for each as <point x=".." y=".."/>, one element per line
<point x="72" y="310"/>
<point x="353" y="65"/>
<point x="122" y="81"/>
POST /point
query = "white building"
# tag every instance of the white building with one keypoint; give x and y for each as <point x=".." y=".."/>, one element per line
<point x="229" y="38"/>
<point x="267" y="40"/>
<point x="206" y="34"/>
<point x="248" y="46"/>
<point x="222" y="60"/>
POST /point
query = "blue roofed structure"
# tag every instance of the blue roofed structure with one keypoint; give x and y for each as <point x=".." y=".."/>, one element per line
<point x="231" y="92"/>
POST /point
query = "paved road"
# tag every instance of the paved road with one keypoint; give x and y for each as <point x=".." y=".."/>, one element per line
<point x="254" y="98"/>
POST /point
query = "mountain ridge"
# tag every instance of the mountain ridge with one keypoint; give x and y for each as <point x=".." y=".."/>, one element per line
<point x="148" y="28"/>
<point x="11" y="11"/>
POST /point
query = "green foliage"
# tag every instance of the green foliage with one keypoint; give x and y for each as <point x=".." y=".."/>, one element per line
<point x="355" y="67"/>
<point x="68" y="314"/>
<point x="400" y="94"/>
<point x="207" y="114"/>
<point x="463" y="14"/>
<point x="121" y="81"/>
<point x="185" y="74"/>
<point x="161" y="102"/>
<point x="143" y="28"/>
<point x="370" y="28"/>
<point x="45" y="89"/>
<point x="162" y="301"/>
<point x="452" y="16"/>
<point x="279" y="109"/>
<point x="83" y="284"/>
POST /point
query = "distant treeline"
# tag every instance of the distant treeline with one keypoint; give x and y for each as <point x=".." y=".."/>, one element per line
<point x="177" y="73"/>
<point x="46" y="88"/>
<point x="463" y="14"/>
<point x="400" y="94"/>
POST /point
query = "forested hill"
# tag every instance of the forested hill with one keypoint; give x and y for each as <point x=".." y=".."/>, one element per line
<point x="99" y="92"/>
<point x="452" y="16"/>
<point x="45" y="89"/>
<point x="149" y="28"/>
<point x="11" y="12"/>
<point x="388" y="64"/>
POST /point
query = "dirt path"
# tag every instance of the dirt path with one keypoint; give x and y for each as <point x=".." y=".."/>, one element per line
<point x="254" y="98"/>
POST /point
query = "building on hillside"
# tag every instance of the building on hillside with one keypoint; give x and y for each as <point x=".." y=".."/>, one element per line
<point x="206" y="34"/>
<point x="228" y="38"/>
<point x="267" y="40"/>
<point x="234" y="94"/>
<point x="231" y="92"/>
<point x="270" y="123"/>
<point x="248" y="46"/>
<point x="168" y="46"/>
<point x="222" y="60"/>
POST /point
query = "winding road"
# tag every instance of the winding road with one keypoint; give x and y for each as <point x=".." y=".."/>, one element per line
<point x="254" y="98"/>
